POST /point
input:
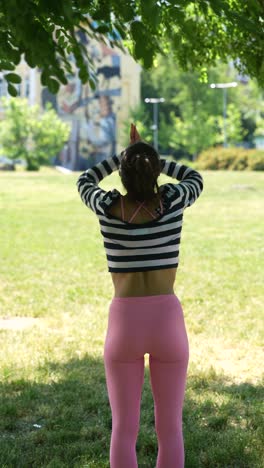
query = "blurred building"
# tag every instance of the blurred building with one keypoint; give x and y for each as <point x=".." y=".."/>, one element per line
<point x="97" y="118"/>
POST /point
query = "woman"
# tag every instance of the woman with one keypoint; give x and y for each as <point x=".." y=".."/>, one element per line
<point x="145" y="315"/>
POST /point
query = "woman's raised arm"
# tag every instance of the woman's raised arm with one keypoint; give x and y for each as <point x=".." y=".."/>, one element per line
<point x="191" y="181"/>
<point x="87" y="183"/>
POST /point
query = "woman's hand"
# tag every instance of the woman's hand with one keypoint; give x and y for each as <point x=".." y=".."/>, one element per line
<point x="134" y="135"/>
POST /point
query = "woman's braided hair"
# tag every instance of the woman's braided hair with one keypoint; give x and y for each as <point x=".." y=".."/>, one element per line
<point x="139" y="170"/>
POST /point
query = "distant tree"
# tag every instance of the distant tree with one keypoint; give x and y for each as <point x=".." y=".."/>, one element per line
<point x="235" y="130"/>
<point x="31" y="135"/>
<point x="259" y="131"/>
<point x="191" y="118"/>
<point x="198" y="33"/>
<point x="194" y="132"/>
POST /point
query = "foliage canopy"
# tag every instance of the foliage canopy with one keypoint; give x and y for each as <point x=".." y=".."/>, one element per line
<point x="48" y="33"/>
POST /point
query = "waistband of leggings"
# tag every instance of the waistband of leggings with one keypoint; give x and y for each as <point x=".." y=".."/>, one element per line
<point x="140" y="299"/>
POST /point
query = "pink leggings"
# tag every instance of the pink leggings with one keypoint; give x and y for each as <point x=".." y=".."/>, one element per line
<point x="136" y="326"/>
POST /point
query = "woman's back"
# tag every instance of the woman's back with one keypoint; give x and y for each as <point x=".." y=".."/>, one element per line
<point x="141" y="283"/>
<point x="142" y="255"/>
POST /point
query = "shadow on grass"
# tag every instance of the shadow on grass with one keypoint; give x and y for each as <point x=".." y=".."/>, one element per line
<point x="67" y="423"/>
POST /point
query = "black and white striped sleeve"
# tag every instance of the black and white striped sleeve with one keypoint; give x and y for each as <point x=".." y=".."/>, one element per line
<point x="87" y="183"/>
<point x="191" y="181"/>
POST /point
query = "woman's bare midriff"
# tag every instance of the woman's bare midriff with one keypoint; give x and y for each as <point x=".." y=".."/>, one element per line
<point x="144" y="283"/>
<point x="141" y="283"/>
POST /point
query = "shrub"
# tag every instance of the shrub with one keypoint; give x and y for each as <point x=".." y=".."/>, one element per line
<point x="256" y="161"/>
<point x="237" y="159"/>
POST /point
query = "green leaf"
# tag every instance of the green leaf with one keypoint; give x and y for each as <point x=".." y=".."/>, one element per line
<point x="59" y="73"/>
<point x="137" y="30"/>
<point x="61" y="41"/>
<point x="44" y="78"/>
<point x="29" y="59"/>
<point x="57" y="33"/>
<point x="145" y="53"/>
<point x="103" y="29"/>
<point x="150" y="9"/>
<point x="67" y="10"/>
<point x="92" y="83"/>
<point x="13" y="78"/>
<point x="5" y="65"/>
<point x="143" y="49"/>
<point x="11" y="90"/>
<point x="83" y="74"/>
<point x="103" y="11"/>
<point x="53" y="85"/>
<point x="14" y="55"/>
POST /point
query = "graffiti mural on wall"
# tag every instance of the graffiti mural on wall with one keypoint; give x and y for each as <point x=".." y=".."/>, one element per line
<point x="91" y="114"/>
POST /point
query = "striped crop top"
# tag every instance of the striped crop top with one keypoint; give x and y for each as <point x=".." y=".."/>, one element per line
<point x="153" y="245"/>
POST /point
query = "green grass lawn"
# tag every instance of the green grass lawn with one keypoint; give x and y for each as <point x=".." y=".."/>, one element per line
<point x="53" y="268"/>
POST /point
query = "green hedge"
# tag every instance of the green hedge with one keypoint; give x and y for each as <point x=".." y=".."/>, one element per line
<point x="233" y="159"/>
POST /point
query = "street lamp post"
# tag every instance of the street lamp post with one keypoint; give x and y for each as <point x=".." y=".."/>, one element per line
<point x="224" y="86"/>
<point x="155" y="102"/>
